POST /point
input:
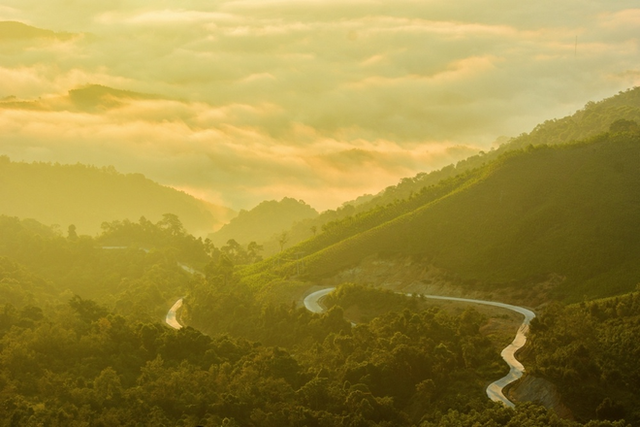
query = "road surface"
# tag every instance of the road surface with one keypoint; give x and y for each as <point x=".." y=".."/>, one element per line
<point x="312" y="301"/>
<point x="171" y="315"/>
<point x="171" y="319"/>
<point x="494" y="390"/>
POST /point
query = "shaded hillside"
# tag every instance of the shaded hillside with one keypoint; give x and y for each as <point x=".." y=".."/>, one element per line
<point x="87" y="196"/>
<point x="568" y="210"/>
<point x="596" y="366"/>
<point x="593" y="119"/>
<point x="264" y="221"/>
<point x="40" y="267"/>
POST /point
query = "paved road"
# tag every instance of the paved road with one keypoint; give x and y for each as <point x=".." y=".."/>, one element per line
<point x="171" y="315"/>
<point x="494" y="390"/>
<point x="312" y="301"/>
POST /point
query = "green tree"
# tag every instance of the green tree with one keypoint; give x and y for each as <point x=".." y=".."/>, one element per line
<point x="71" y="233"/>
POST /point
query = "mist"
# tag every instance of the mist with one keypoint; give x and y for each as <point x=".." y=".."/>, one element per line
<point x="321" y="101"/>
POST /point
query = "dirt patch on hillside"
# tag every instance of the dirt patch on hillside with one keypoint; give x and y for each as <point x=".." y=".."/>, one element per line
<point x="417" y="275"/>
<point x="539" y="391"/>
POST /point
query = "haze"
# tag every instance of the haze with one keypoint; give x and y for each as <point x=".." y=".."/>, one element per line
<point x="316" y="100"/>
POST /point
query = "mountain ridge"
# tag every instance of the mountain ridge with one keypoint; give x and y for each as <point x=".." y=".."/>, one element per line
<point x="87" y="196"/>
<point x="525" y="216"/>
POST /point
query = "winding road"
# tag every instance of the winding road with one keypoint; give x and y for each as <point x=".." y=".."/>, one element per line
<point x="171" y="315"/>
<point x="171" y="319"/>
<point x="495" y="389"/>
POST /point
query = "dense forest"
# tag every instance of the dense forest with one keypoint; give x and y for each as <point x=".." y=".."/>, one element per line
<point x="87" y="196"/>
<point x="79" y="347"/>
<point x="590" y="350"/>
<point x="106" y="361"/>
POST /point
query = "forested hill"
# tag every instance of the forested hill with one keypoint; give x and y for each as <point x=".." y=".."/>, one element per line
<point x="568" y="210"/>
<point x="88" y="196"/>
<point x="593" y="119"/>
<point x="262" y="222"/>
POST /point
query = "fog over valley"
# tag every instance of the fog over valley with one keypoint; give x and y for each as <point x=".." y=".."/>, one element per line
<point x="237" y="102"/>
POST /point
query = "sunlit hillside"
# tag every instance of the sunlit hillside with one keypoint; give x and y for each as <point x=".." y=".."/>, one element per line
<point x="566" y="210"/>
<point x="593" y="119"/>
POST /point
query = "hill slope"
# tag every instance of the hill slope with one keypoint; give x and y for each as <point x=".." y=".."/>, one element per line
<point x="593" y="119"/>
<point x="263" y="221"/>
<point x="568" y="210"/>
<point x="87" y="196"/>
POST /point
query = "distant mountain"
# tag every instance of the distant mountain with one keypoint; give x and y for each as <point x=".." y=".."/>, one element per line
<point x="90" y="98"/>
<point x="13" y="30"/>
<point x="88" y="196"/>
<point x="262" y="222"/>
<point x="571" y="211"/>
<point x="97" y="96"/>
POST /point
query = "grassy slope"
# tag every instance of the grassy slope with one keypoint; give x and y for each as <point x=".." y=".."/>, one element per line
<point x="595" y="118"/>
<point x="570" y="210"/>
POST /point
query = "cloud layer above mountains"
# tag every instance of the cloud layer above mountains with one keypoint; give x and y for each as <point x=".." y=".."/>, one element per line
<point x="319" y="100"/>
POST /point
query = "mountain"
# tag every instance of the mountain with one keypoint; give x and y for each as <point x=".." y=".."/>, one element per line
<point x="87" y="196"/>
<point x="91" y="98"/>
<point x="13" y="30"/>
<point x="94" y="96"/>
<point x="569" y="211"/>
<point x="593" y="119"/>
<point x="263" y="221"/>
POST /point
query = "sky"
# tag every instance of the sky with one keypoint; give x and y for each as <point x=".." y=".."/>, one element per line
<point x="320" y="100"/>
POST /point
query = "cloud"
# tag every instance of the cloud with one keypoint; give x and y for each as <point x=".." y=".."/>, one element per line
<point x="319" y="100"/>
<point x="628" y="17"/>
<point x="163" y="17"/>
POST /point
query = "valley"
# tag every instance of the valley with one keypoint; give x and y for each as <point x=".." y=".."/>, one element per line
<point x="396" y="309"/>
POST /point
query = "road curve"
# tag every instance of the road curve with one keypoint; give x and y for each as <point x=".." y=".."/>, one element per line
<point x="171" y="315"/>
<point x="494" y="390"/>
<point x="312" y="301"/>
<point x="171" y="319"/>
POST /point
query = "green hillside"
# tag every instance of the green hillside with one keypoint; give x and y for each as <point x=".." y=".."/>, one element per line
<point x="87" y="196"/>
<point x="264" y="221"/>
<point x="596" y="366"/>
<point x="593" y="119"/>
<point x="569" y="210"/>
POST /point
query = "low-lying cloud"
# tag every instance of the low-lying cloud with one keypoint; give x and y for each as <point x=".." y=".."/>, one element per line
<point x="318" y="100"/>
